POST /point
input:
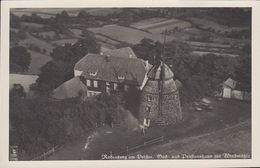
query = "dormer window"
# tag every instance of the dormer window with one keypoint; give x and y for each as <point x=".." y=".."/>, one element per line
<point x="121" y="77"/>
<point x="93" y="73"/>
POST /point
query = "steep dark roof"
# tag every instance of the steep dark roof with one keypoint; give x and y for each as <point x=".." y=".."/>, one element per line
<point x="112" y="69"/>
<point x="230" y="83"/>
<point x="69" y="89"/>
<point x="155" y="72"/>
<point x="125" y="52"/>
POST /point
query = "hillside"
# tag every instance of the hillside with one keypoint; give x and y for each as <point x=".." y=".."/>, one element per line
<point x="231" y="140"/>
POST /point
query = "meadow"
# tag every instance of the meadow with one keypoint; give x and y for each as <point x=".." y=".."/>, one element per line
<point x="209" y="24"/>
<point x="37" y="61"/>
<point x="127" y="34"/>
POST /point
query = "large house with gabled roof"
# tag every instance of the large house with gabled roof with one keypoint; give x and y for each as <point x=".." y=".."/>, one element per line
<point x="104" y="73"/>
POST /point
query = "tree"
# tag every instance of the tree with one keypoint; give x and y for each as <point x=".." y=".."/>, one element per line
<point x="83" y="15"/>
<point x="243" y="70"/>
<point x="17" y="91"/>
<point x="20" y="59"/>
<point x="62" y="17"/>
<point x="147" y="49"/>
<point x="14" y="21"/>
<point x="53" y="74"/>
<point x="61" y="67"/>
<point x="72" y="53"/>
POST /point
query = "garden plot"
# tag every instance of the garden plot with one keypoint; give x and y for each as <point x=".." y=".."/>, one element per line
<point x="29" y="13"/>
<point x="126" y="34"/>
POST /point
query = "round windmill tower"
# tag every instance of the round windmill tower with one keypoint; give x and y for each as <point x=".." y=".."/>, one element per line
<point x="160" y="103"/>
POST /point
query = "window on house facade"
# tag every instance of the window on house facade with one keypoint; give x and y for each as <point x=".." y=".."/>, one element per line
<point x="95" y="83"/>
<point x="115" y="86"/>
<point x="148" y="109"/>
<point x="88" y="83"/>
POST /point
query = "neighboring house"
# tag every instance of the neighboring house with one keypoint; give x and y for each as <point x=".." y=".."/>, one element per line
<point x="125" y="52"/>
<point x="230" y="90"/>
<point x="24" y="80"/>
<point x="72" y="88"/>
<point x="228" y="86"/>
<point x="105" y="73"/>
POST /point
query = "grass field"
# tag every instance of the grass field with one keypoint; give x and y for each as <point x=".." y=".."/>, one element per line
<point x="32" y="25"/>
<point x="127" y="34"/>
<point x="24" y="80"/>
<point x="233" y="140"/>
<point x="37" y="61"/>
<point x="208" y="24"/>
<point x="51" y="12"/>
<point x="35" y="41"/>
<point x="158" y="25"/>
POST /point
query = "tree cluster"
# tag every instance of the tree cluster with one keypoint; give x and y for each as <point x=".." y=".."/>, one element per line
<point x="61" y="68"/>
<point x="20" y="59"/>
<point x="40" y="123"/>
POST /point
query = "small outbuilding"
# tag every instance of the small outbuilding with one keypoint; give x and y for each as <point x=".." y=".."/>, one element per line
<point x="230" y="90"/>
<point x="71" y="89"/>
<point x="228" y="86"/>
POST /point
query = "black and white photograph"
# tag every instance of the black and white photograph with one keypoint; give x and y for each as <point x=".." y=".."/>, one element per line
<point x="130" y="83"/>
